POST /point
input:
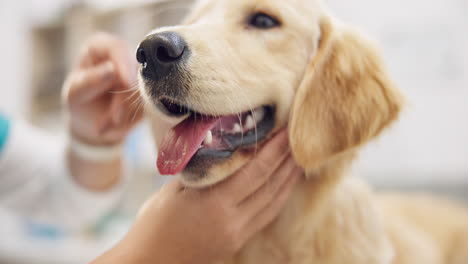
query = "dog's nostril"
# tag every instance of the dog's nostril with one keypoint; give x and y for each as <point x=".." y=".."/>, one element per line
<point x="141" y="56"/>
<point x="165" y="54"/>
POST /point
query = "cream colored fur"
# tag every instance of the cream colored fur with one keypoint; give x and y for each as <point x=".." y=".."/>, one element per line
<point x="332" y="87"/>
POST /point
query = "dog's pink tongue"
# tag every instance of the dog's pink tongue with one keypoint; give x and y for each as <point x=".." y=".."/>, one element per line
<point x="181" y="143"/>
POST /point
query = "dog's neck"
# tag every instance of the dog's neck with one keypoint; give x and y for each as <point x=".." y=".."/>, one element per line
<point x="313" y="222"/>
<point x="326" y="177"/>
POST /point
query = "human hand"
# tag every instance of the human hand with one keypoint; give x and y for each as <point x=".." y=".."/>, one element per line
<point x="180" y="225"/>
<point x="99" y="94"/>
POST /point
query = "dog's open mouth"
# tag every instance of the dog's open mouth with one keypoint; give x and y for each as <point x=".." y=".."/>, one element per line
<point x="204" y="138"/>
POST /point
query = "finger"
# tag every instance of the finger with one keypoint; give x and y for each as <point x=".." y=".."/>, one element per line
<point x="105" y="125"/>
<point x="258" y="171"/>
<point x="266" y="193"/>
<point x="125" y="109"/>
<point x="271" y="212"/>
<point x="116" y="108"/>
<point x="88" y="84"/>
<point x="136" y="108"/>
<point x="102" y="47"/>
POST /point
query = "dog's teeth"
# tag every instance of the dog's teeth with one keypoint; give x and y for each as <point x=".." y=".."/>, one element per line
<point x="237" y="128"/>
<point x="249" y="123"/>
<point x="209" y="138"/>
<point x="258" y="114"/>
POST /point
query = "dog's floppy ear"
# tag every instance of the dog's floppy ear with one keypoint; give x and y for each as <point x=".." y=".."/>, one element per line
<point x="344" y="99"/>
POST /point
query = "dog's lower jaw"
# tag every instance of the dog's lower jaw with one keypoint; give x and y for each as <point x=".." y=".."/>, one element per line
<point x="217" y="173"/>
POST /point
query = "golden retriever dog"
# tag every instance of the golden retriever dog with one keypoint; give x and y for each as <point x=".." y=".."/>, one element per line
<point x="235" y="72"/>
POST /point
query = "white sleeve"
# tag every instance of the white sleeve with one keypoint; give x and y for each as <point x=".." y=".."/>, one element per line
<point x="35" y="182"/>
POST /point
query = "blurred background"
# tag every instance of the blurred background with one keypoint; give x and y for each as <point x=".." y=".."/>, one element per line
<point x="424" y="42"/>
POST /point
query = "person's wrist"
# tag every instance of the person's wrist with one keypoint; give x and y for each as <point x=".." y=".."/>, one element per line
<point x="95" y="176"/>
<point x="137" y="249"/>
<point x="93" y="152"/>
<point x="124" y="253"/>
<point x="88" y="146"/>
<point x="94" y="167"/>
<point x="89" y="136"/>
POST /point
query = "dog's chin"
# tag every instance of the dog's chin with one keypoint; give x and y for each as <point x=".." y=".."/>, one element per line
<point x="204" y="149"/>
<point x="202" y="181"/>
<point x="220" y="171"/>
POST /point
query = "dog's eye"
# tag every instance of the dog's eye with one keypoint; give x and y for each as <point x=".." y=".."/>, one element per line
<point x="263" y="21"/>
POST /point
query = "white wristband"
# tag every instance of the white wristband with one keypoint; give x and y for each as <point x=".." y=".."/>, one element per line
<point x="95" y="153"/>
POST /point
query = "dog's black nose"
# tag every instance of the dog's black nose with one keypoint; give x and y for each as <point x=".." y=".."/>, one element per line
<point x="160" y="53"/>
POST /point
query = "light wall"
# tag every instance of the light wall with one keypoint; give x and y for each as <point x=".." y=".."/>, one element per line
<point x="425" y="44"/>
<point x="14" y="49"/>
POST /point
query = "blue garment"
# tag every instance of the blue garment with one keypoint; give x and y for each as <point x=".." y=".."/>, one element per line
<point x="4" y="130"/>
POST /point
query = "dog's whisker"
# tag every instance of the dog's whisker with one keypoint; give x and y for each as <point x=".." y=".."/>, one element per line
<point x="134" y="86"/>
<point x="140" y="107"/>
<point x="256" y="136"/>
<point x="122" y="92"/>
<point x="239" y="113"/>
<point x="135" y="102"/>
<point x="242" y="94"/>
<point x="132" y="96"/>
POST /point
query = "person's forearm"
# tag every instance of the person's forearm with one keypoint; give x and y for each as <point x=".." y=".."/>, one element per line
<point x="95" y="176"/>
<point x="116" y="256"/>
<point x="126" y="253"/>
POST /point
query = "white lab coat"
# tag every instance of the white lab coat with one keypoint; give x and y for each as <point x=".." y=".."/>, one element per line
<point x="35" y="183"/>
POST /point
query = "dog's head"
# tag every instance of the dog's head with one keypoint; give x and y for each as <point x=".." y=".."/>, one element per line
<point x="238" y="70"/>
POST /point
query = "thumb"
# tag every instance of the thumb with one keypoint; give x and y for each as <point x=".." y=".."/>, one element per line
<point x="87" y="84"/>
